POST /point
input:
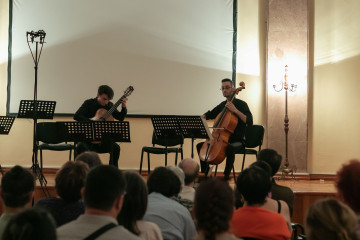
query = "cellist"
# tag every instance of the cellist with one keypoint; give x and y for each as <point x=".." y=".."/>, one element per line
<point x="236" y="140"/>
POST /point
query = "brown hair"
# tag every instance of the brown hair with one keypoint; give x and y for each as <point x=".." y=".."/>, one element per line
<point x="214" y="206"/>
<point x="330" y="219"/>
<point x="348" y="184"/>
<point x="90" y="158"/>
<point x="70" y="179"/>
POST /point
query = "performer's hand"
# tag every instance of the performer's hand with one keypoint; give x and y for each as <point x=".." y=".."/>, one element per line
<point x="123" y="102"/>
<point x="231" y="107"/>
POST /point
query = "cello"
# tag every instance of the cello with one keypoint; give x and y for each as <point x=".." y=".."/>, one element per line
<point x="213" y="151"/>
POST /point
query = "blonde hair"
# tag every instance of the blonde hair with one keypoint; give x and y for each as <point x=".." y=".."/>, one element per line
<point x="330" y="219"/>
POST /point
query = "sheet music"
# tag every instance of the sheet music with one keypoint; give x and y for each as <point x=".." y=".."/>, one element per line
<point x="207" y="128"/>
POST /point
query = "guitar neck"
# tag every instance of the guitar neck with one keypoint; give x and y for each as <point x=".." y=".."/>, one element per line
<point x="112" y="109"/>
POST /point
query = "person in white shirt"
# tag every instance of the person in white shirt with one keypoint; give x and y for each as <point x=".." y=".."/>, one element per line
<point x="103" y="197"/>
<point x="191" y="171"/>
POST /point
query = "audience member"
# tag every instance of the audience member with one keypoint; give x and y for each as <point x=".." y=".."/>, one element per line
<point x="278" y="206"/>
<point x="31" y="224"/>
<point x="348" y="187"/>
<point x="214" y="206"/>
<point x="252" y="220"/>
<point x="278" y="192"/>
<point x="180" y="174"/>
<point x="103" y="198"/>
<point x="92" y="159"/>
<point x="191" y="171"/>
<point x="329" y="219"/>
<point x="69" y="181"/>
<point x="134" y="208"/>
<point x="17" y="191"/>
<point x="173" y="219"/>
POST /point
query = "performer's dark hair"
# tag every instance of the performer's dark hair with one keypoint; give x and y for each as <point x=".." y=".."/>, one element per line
<point x="105" y="89"/>
<point x="135" y="202"/>
<point x="33" y="223"/>
<point x="214" y="205"/>
<point x="103" y="185"/>
<point x="228" y="80"/>
<point x="16" y="185"/>
<point x="70" y="179"/>
<point x="254" y="184"/>
<point x="271" y="157"/>
<point x="164" y="181"/>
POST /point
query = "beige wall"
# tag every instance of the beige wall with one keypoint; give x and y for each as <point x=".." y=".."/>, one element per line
<point x="334" y="134"/>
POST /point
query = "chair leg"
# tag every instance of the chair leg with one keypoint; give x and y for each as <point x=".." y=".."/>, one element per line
<point x="148" y="155"/>
<point x="234" y="174"/>
<point x="182" y="154"/>
<point x="166" y="159"/>
<point x="141" y="161"/>
<point x="70" y="155"/>
<point x="215" y="170"/>
<point x="242" y="167"/>
<point x="41" y="160"/>
<point x="176" y="158"/>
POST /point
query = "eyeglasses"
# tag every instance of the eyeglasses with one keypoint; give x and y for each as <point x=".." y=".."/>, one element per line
<point x="225" y="88"/>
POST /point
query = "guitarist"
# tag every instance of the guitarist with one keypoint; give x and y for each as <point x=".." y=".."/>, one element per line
<point x="89" y="110"/>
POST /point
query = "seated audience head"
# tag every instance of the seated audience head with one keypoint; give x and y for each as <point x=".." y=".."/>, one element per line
<point x="17" y="188"/>
<point x="164" y="181"/>
<point x="179" y="173"/>
<point x="272" y="158"/>
<point x="92" y="159"/>
<point x="254" y="185"/>
<point x="348" y="184"/>
<point x="70" y="179"/>
<point x="135" y="202"/>
<point x="33" y="223"/>
<point x="330" y="219"/>
<point x="214" y="205"/>
<point x="191" y="170"/>
<point x="104" y="189"/>
<point x="263" y="165"/>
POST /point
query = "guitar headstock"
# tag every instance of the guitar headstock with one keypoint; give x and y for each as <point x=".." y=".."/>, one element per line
<point x="128" y="91"/>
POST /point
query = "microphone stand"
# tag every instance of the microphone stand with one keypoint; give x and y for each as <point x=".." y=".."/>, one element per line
<point x="31" y="37"/>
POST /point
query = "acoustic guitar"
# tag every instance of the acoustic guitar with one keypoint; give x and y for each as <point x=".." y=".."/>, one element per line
<point x="106" y="115"/>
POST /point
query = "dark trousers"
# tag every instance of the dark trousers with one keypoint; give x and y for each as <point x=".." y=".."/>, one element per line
<point x="103" y="147"/>
<point x="231" y="149"/>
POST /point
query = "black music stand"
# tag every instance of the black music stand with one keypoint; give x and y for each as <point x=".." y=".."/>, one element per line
<point x="35" y="110"/>
<point x="166" y="127"/>
<point x="115" y="131"/>
<point x="5" y="126"/>
<point x="194" y="127"/>
<point x="44" y="109"/>
<point x="188" y="126"/>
